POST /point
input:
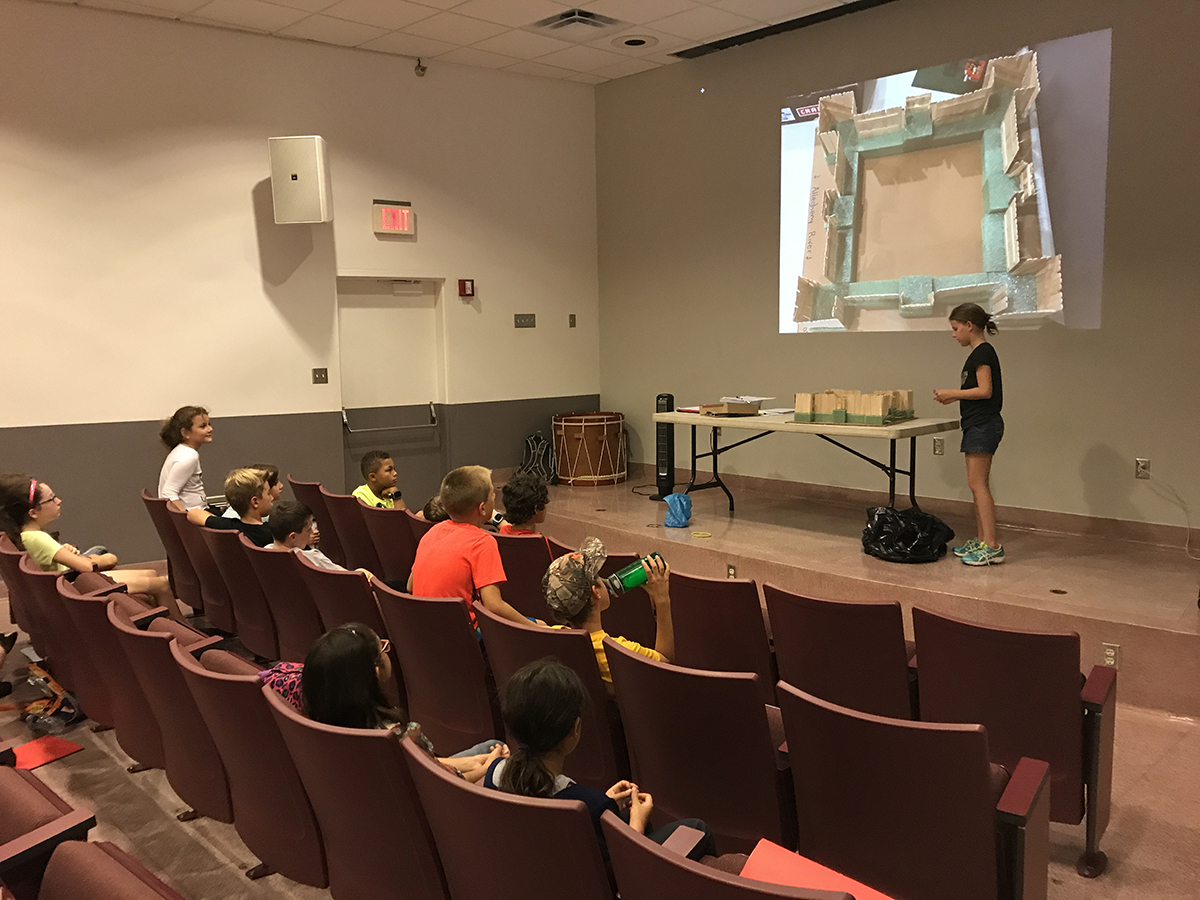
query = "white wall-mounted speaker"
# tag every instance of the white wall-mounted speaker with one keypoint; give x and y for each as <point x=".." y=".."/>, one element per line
<point x="300" y="180"/>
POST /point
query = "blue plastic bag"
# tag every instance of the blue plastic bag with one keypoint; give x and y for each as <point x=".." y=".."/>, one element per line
<point x="679" y="511"/>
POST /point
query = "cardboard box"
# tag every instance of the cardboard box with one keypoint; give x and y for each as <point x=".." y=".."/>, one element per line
<point x="804" y="408"/>
<point x="730" y="409"/>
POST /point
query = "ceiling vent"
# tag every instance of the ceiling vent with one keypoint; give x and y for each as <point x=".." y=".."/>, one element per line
<point x="576" y="25"/>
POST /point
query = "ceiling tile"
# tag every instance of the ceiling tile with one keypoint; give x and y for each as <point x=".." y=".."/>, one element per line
<point x="639" y="11"/>
<point x="704" y="23"/>
<point x="580" y="59"/>
<point x="407" y="45"/>
<point x="469" y="56"/>
<point x="166" y="8"/>
<point x="774" y="11"/>
<point x="514" y="13"/>
<point x="455" y="29"/>
<point x="387" y="14"/>
<point x="249" y="14"/>
<point x="540" y="69"/>
<point x="521" y="44"/>
<point x="585" y="78"/>
<point x="306" y="5"/>
<point x="667" y="43"/>
<point x="329" y="30"/>
<point x="626" y="67"/>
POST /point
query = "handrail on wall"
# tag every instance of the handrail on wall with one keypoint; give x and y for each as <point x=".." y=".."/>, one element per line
<point x="432" y="424"/>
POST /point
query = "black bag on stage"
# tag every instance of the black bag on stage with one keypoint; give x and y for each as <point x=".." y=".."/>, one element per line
<point x="538" y="458"/>
<point x="905" y="535"/>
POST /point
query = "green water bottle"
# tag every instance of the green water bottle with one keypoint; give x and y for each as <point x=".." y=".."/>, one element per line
<point x="626" y="579"/>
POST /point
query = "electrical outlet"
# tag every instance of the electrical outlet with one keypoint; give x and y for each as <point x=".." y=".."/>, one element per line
<point x="1112" y="655"/>
<point x="571" y="320"/>
<point x="939" y="446"/>
<point x="524" y="320"/>
<point x="1141" y="468"/>
<point x="730" y="570"/>
<point x="320" y="376"/>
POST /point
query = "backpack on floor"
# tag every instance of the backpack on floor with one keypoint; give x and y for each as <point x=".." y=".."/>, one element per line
<point x="539" y="458"/>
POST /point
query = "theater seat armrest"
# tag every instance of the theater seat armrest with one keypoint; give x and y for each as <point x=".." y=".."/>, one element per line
<point x="215" y="642"/>
<point x="683" y="840"/>
<point x="1100" y="687"/>
<point x="142" y="620"/>
<point x="8" y="756"/>
<point x="1031" y="778"/>
<point x="71" y="826"/>
<point x="782" y="760"/>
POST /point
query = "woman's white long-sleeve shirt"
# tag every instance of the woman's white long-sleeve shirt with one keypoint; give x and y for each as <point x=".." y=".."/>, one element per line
<point x="182" y="479"/>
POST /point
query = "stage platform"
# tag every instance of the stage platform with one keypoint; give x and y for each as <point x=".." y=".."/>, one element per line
<point x="1141" y="596"/>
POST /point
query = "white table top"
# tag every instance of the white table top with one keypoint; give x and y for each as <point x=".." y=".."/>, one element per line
<point x="784" y="422"/>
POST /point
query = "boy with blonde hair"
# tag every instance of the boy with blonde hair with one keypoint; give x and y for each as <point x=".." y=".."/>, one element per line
<point x="457" y="558"/>
<point x="250" y="495"/>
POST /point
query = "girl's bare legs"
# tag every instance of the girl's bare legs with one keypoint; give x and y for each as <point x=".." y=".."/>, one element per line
<point x="979" y="469"/>
<point x="147" y="581"/>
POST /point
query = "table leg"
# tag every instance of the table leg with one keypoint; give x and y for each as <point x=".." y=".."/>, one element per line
<point x="716" y="475"/>
<point x="912" y="472"/>
<point x="692" y="481"/>
<point x="891" y="473"/>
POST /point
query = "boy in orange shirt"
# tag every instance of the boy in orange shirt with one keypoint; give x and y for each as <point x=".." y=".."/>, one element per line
<point x="457" y="557"/>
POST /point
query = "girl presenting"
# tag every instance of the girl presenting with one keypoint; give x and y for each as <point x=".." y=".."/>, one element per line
<point x="980" y="399"/>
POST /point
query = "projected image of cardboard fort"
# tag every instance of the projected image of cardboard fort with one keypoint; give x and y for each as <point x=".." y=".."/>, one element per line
<point x="916" y="208"/>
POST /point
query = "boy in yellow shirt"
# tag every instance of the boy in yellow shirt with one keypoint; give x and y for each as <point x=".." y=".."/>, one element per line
<point x="380" y="489"/>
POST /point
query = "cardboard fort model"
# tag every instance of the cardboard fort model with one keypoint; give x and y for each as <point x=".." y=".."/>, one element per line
<point x="855" y="408"/>
<point x="929" y="205"/>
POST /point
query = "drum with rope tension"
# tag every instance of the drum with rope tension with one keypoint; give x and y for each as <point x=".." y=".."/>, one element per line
<point x="589" y="448"/>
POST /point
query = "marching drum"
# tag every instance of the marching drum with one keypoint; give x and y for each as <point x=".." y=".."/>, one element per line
<point x="589" y="448"/>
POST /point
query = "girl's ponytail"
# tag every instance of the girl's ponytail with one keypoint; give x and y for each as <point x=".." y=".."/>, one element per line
<point x="542" y="703"/>
<point x="973" y="314"/>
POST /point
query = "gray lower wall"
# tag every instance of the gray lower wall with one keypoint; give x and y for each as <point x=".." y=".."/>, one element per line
<point x="100" y="468"/>
<point x="487" y="434"/>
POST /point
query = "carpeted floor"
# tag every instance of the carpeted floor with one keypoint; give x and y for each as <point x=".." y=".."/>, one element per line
<point x="1151" y="842"/>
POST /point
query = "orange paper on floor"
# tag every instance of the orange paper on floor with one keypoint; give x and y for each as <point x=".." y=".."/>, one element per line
<point x="773" y="864"/>
<point x="44" y="750"/>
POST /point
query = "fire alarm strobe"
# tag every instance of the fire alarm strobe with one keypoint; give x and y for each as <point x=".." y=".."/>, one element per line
<point x="394" y="217"/>
<point x="466" y="287"/>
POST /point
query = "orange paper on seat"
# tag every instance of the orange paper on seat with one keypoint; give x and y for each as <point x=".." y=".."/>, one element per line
<point x="775" y="865"/>
<point x="44" y="750"/>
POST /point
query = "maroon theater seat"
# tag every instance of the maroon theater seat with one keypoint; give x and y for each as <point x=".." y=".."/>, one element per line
<point x="418" y="526"/>
<point x="347" y="596"/>
<point x="445" y="675"/>
<point x="137" y="728"/>
<point x="649" y="871"/>
<point x="701" y="744"/>
<point x="251" y="616"/>
<point x="218" y="606"/>
<point x="1026" y="689"/>
<point x="270" y="808"/>
<point x="33" y="821"/>
<point x="557" y="548"/>
<point x="851" y="654"/>
<point x="534" y="849"/>
<point x="632" y="614"/>
<point x="526" y="558"/>
<point x="345" y="511"/>
<point x="101" y="871"/>
<point x="910" y="808"/>
<point x="65" y="660"/>
<point x="34" y="620"/>
<point x="600" y="760"/>
<point x="393" y="540"/>
<point x="377" y="841"/>
<point x="719" y="625"/>
<point x="309" y="493"/>
<point x="193" y="765"/>
<point x="184" y="582"/>
<point x="297" y="621"/>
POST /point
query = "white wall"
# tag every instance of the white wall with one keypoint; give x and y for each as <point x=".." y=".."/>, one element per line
<point x="140" y="267"/>
<point x="688" y="187"/>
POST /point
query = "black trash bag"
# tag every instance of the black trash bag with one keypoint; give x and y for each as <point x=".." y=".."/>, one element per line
<point x="905" y="535"/>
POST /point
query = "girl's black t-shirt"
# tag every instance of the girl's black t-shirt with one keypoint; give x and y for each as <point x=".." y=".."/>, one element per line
<point x="974" y="412"/>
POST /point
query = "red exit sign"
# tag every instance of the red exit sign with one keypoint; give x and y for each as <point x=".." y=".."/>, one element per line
<point x="394" y="217"/>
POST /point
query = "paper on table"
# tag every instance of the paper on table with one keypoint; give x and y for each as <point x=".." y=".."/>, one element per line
<point x="783" y="410"/>
<point x="746" y="399"/>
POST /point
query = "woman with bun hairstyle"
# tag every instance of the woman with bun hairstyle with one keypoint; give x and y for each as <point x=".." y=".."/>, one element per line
<point x="181" y="478"/>
<point x="980" y="399"/>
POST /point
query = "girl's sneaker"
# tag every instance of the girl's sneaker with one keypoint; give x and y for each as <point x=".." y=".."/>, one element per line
<point x="969" y="547"/>
<point x="983" y="555"/>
